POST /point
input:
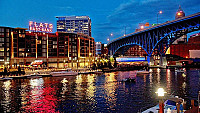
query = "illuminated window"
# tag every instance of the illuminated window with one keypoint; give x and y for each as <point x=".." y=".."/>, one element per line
<point x="1" y="49"/>
<point x="54" y="46"/>
<point x="1" y="53"/>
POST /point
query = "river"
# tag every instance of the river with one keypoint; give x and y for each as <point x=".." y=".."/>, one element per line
<point x="96" y="93"/>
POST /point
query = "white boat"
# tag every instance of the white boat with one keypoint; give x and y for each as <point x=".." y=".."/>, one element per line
<point x="180" y="70"/>
<point x="129" y="80"/>
<point x="67" y="72"/>
<point x="6" y="78"/>
<point x="169" y="105"/>
<point x="142" y="72"/>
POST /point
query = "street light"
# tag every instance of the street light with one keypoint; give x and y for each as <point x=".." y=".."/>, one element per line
<point x="160" y="12"/>
<point x="142" y="27"/>
<point x="108" y="39"/>
<point x="111" y="34"/>
<point x="161" y="94"/>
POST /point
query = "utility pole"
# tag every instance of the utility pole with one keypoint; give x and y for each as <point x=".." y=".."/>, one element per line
<point x="125" y="31"/>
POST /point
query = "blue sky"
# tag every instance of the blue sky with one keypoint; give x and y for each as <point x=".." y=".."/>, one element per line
<point x="108" y="16"/>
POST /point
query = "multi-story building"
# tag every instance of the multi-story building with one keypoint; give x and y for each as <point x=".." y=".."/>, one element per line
<point x="104" y="51"/>
<point x="74" y="24"/>
<point x="183" y="49"/>
<point x="135" y="51"/>
<point x="60" y="49"/>
<point x="5" y="39"/>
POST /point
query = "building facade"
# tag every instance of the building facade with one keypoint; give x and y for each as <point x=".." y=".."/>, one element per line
<point x="180" y="13"/>
<point x="74" y="24"/>
<point x="183" y="49"/>
<point x="5" y="39"/>
<point x="98" y="48"/>
<point x="59" y="50"/>
<point x="136" y="51"/>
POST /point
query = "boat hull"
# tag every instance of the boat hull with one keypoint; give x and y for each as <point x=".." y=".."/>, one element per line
<point x="64" y="74"/>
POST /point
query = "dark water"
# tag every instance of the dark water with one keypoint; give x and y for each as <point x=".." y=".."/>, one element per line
<point x="96" y="93"/>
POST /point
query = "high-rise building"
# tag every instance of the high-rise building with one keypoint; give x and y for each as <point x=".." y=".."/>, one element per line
<point x="74" y="24"/>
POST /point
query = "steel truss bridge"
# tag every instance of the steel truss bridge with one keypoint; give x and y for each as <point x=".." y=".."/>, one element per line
<point x="157" y="37"/>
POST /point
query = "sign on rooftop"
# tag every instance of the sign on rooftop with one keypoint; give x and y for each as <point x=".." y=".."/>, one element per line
<point x="41" y="27"/>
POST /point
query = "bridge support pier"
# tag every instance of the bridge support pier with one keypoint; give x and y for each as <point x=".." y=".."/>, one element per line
<point x="150" y="60"/>
<point x="163" y="61"/>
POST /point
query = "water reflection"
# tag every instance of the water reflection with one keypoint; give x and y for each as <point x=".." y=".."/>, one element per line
<point x="151" y="79"/>
<point x="110" y="90"/>
<point x="40" y="98"/>
<point x="90" y="86"/>
<point x="158" y="77"/>
<point x="168" y="78"/>
<point x="7" y="96"/>
<point x="95" y="93"/>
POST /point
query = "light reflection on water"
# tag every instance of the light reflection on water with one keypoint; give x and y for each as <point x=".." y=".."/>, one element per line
<point x="95" y="93"/>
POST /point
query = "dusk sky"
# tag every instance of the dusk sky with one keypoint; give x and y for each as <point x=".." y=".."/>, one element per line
<point x="108" y="16"/>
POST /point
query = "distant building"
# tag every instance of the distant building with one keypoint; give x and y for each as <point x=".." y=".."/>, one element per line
<point x="74" y="24"/>
<point x="104" y="51"/>
<point x="98" y="48"/>
<point x="180" y="13"/>
<point x="183" y="49"/>
<point x="136" y="51"/>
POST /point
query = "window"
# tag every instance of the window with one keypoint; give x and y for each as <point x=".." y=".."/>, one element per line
<point x="1" y="39"/>
<point x="54" y="42"/>
<point x="1" y="29"/>
<point x="1" y="49"/>
<point x="54" y="46"/>
<point x="44" y="50"/>
<point x="43" y="46"/>
<point x="1" y="53"/>
<point x="7" y="30"/>
<point x="7" y="34"/>
<point x="1" y="34"/>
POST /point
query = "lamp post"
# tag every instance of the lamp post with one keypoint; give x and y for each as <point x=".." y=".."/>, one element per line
<point x="161" y="93"/>
<point x="23" y="59"/>
<point x="108" y="39"/>
<point x="90" y="60"/>
<point x="160" y="12"/>
<point x="64" y="64"/>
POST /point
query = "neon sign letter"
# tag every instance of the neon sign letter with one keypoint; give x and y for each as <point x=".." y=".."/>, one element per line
<point x="41" y="27"/>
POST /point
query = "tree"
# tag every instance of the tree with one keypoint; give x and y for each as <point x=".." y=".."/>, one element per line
<point x="110" y="65"/>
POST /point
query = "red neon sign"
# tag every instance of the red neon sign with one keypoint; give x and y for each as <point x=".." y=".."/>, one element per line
<point x="42" y="27"/>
